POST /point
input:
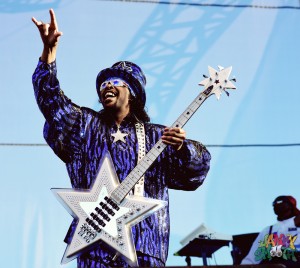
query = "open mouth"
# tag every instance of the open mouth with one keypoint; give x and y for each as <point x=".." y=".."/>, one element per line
<point x="109" y="94"/>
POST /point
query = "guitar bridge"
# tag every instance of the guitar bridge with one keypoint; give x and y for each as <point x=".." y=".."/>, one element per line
<point x="87" y="233"/>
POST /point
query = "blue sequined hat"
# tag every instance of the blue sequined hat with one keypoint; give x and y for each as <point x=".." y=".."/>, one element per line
<point x="128" y="71"/>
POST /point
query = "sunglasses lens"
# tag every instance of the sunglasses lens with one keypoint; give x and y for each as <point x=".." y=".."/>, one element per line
<point x="117" y="83"/>
<point x="103" y="85"/>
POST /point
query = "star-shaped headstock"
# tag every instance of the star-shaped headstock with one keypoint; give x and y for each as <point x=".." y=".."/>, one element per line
<point x="217" y="81"/>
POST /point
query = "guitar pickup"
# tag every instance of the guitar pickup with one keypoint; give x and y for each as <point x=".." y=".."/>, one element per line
<point x="112" y="203"/>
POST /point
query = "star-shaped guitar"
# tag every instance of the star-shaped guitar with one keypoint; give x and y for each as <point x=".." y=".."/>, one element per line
<point x="102" y="219"/>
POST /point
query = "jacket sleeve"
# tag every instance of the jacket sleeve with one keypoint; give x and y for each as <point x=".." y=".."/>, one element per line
<point x="64" y="119"/>
<point x="189" y="166"/>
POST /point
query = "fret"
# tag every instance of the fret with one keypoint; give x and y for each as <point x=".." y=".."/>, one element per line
<point x="128" y="182"/>
<point x="194" y="106"/>
<point x="144" y="163"/>
<point x="124" y="187"/>
<point x="130" y="179"/>
<point x="150" y="156"/>
<point x="137" y="174"/>
<point x="141" y="169"/>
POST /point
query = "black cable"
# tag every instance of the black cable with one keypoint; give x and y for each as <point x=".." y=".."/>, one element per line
<point x="204" y="4"/>
<point x="254" y="145"/>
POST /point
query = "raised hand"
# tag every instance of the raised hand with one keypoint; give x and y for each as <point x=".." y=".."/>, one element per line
<point x="50" y="36"/>
<point x="174" y="136"/>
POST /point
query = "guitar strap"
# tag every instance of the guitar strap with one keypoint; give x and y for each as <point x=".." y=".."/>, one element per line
<point x="141" y="139"/>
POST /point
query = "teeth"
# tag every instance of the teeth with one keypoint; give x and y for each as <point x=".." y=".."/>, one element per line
<point x="109" y="94"/>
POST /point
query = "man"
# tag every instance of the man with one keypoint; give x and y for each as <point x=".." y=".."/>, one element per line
<point x="278" y="243"/>
<point x="81" y="137"/>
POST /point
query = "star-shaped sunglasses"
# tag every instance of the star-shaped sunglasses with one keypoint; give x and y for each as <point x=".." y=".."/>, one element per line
<point x="115" y="82"/>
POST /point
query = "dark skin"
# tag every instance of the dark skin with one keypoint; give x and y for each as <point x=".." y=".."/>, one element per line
<point x="284" y="211"/>
<point x="50" y="36"/>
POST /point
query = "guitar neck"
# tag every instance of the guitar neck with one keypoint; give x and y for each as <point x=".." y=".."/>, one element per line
<point x="134" y="176"/>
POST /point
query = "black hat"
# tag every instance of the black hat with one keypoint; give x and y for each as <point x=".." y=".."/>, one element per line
<point x="287" y="199"/>
<point x="128" y="71"/>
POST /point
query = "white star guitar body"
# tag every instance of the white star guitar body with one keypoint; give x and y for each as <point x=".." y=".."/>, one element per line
<point x="84" y="204"/>
<point x="105" y="213"/>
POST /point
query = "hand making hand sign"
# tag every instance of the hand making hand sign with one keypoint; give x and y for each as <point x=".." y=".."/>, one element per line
<point x="50" y="36"/>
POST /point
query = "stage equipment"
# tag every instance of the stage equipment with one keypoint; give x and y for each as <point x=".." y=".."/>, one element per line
<point x="241" y="245"/>
<point x="202" y="242"/>
<point x="106" y="212"/>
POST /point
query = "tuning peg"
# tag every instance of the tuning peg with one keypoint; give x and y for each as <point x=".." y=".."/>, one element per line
<point x="205" y="76"/>
<point x="220" y="67"/>
<point x="227" y="93"/>
<point x="233" y="79"/>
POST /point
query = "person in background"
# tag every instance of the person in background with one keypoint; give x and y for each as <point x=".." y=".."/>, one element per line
<point x="279" y="243"/>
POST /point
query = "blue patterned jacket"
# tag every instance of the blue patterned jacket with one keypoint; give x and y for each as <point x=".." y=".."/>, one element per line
<point x="80" y="137"/>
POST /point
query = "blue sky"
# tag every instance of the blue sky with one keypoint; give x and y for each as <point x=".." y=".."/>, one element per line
<point x="173" y="44"/>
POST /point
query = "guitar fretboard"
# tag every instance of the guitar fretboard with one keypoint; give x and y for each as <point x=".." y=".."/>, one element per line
<point x="133" y="177"/>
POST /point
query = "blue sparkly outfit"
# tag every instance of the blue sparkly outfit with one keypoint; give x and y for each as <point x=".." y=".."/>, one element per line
<point x="81" y="136"/>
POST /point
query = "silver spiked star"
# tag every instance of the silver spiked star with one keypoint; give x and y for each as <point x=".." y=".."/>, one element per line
<point x="119" y="136"/>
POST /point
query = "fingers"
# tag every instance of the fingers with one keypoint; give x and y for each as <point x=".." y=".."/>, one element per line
<point x="43" y="27"/>
<point x="37" y="23"/>
<point x="174" y="137"/>
<point x="52" y="25"/>
<point x="48" y="31"/>
<point x="53" y="22"/>
<point x="176" y="132"/>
